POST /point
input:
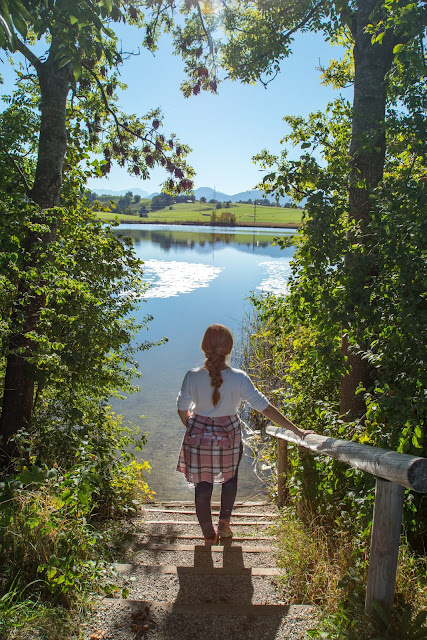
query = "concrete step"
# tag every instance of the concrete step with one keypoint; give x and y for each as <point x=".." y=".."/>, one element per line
<point x="181" y="590"/>
<point x="215" y="514"/>
<point x="206" y="570"/>
<point x="152" y="546"/>
<point x="189" y="536"/>
<point x="233" y="556"/>
<point x="212" y="586"/>
<point x="190" y="503"/>
<point x="148" y="619"/>
<point x="197" y="609"/>
<point x="171" y="529"/>
<point x="242" y="523"/>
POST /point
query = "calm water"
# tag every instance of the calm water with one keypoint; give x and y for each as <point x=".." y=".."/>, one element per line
<point x="198" y="276"/>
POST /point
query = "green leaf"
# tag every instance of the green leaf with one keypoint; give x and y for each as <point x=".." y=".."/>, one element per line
<point x="398" y="48"/>
<point x="51" y="572"/>
<point x="20" y="24"/>
<point x="418" y="431"/>
<point x="77" y="71"/>
<point x="64" y="62"/>
<point x="108" y="4"/>
<point x="73" y="19"/>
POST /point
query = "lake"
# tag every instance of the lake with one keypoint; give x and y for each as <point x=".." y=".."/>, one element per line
<point x="198" y="276"/>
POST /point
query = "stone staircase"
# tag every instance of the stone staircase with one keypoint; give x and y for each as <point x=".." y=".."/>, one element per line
<point x="178" y="589"/>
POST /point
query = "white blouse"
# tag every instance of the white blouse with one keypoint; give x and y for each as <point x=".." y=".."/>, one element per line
<point x="196" y="393"/>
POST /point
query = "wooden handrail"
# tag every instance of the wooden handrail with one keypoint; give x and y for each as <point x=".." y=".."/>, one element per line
<point x="401" y="468"/>
<point x="393" y="471"/>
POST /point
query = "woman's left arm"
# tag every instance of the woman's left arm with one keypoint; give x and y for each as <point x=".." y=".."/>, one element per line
<point x="276" y="416"/>
<point x="184" y="415"/>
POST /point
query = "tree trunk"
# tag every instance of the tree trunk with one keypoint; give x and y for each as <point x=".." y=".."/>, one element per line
<point x="18" y="395"/>
<point x="372" y="62"/>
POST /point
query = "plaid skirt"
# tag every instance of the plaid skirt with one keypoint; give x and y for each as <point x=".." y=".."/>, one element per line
<point x="210" y="450"/>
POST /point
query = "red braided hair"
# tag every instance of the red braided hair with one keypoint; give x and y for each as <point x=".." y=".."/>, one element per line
<point x="217" y="344"/>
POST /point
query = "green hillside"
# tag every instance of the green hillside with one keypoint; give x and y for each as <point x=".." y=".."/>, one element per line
<point x="200" y="213"/>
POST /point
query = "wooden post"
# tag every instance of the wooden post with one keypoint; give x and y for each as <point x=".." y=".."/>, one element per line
<point x="385" y="535"/>
<point x="282" y="467"/>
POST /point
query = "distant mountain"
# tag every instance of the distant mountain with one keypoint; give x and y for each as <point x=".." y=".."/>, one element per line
<point x="255" y="194"/>
<point x="209" y="194"/>
<point x="110" y="192"/>
<point x="202" y="192"/>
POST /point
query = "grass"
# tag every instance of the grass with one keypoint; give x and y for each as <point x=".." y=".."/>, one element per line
<point x="328" y="568"/>
<point x="312" y="562"/>
<point x="23" y="615"/>
<point x="199" y="213"/>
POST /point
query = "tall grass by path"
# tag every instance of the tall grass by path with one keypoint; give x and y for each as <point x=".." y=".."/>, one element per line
<point x="324" y="560"/>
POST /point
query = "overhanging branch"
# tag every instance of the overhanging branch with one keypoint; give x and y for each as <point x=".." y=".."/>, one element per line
<point x="27" y="53"/>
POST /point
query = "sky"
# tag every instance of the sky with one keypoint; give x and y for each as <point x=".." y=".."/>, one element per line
<point x="224" y="130"/>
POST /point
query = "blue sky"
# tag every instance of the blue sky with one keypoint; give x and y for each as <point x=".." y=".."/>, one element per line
<point x="223" y="130"/>
<point x="227" y="129"/>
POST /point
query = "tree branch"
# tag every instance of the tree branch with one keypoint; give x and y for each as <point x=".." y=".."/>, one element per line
<point x="119" y="125"/>
<point x="304" y="21"/>
<point x="202" y="22"/>
<point x="27" y="53"/>
<point x="22" y="177"/>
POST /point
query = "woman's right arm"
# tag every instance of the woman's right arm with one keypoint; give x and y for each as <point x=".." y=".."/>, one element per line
<point x="276" y="416"/>
<point x="183" y="400"/>
<point x="184" y="415"/>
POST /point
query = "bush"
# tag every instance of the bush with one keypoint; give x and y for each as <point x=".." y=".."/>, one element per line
<point x="53" y="509"/>
<point x="225" y="219"/>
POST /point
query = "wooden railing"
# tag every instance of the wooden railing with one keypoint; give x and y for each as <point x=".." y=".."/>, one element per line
<point x="393" y="471"/>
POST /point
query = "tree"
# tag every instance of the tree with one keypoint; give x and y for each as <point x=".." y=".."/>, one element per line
<point x="136" y="199"/>
<point x="81" y="61"/>
<point x="377" y="31"/>
<point x="91" y="196"/>
<point x="161" y="201"/>
<point x="123" y="203"/>
<point x="203" y="199"/>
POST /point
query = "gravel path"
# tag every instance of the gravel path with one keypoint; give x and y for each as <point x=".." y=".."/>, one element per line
<point x="125" y="622"/>
<point x="202" y="604"/>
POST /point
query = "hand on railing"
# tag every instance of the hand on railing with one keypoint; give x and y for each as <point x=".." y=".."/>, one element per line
<point x="305" y="432"/>
<point x="274" y="414"/>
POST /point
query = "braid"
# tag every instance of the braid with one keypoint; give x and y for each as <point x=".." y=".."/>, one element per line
<point x="214" y="363"/>
<point x="217" y="344"/>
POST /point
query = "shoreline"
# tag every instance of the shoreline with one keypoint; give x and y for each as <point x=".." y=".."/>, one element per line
<point x="184" y="223"/>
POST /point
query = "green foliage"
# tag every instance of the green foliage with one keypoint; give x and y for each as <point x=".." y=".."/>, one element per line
<point x="350" y="623"/>
<point x="46" y="533"/>
<point x="52" y="509"/>
<point x="73" y="466"/>
<point x="89" y="286"/>
<point x="161" y="201"/>
<point x="18" y="611"/>
<point x="312" y="561"/>
<point x="379" y="303"/>
<point x="225" y="218"/>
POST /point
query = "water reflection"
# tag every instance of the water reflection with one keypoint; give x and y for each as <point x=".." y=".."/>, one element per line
<point x="174" y="278"/>
<point x="201" y="239"/>
<point x="277" y="274"/>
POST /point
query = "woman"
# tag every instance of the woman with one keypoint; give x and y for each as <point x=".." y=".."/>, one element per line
<point x="212" y="445"/>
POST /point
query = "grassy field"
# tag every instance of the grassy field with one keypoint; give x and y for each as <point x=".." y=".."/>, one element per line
<point x="199" y="213"/>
